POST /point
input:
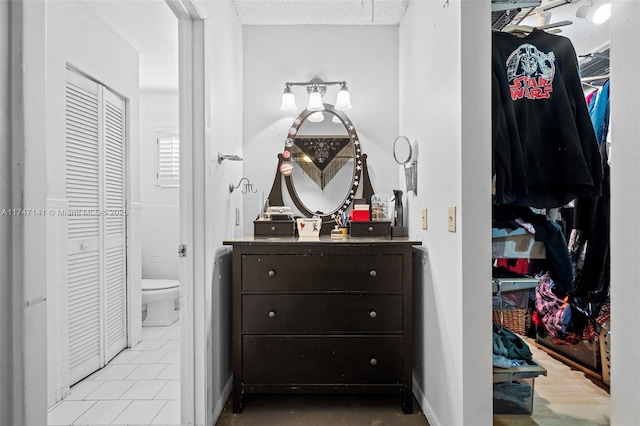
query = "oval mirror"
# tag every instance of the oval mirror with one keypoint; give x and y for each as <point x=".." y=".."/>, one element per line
<point x="402" y="151"/>
<point x="324" y="150"/>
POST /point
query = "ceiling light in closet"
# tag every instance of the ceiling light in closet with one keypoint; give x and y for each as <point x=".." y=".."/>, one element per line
<point x="316" y="88"/>
<point x="597" y="12"/>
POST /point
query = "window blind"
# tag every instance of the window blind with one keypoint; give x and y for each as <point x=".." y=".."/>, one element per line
<point x="168" y="158"/>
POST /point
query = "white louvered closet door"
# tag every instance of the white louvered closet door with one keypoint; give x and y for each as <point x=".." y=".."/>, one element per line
<point x="96" y="225"/>
<point x="115" y="295"/>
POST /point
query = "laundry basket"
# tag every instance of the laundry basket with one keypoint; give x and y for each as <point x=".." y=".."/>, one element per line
<point x="513" y="319"/>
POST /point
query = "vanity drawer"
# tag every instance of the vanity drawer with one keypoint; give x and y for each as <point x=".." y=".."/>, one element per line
<point x="265" y="228"/>
<point x="322" y="360"/>
<point x="331" y="272"/>
<point x="370" y="229"/>
<point x="321" y="313"/>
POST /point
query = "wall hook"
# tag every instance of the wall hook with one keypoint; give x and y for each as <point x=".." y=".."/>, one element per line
<point x="248" y="186"/>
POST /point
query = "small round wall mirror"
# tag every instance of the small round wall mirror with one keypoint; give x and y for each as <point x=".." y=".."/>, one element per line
<point x="402" y="151"/>
<point x="403" y="154"/>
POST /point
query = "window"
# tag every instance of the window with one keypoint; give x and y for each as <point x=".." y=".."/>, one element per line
<point x="168" y="159"/>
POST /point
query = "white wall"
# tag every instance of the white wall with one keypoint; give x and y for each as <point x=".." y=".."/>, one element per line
<point x="366" y="57"/>
<point x="6" y="181"/>
<point x="223" y="36"/>
<point x="443" y="112"/>
<point x="160" y="218"/>
<point x="75" y="36"/>
<point x="625" y="204"/>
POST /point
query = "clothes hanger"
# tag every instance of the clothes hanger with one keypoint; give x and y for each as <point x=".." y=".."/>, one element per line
<point x="527" y="29"/>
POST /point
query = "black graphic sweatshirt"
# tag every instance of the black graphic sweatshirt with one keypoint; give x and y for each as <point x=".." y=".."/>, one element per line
<point x="545" y="152"/>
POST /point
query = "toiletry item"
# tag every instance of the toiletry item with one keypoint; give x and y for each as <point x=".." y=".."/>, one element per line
<point x="336" y="232"/>
<point x="398" y="210"/>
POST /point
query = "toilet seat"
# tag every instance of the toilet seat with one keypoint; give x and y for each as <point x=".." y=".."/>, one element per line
<point x="150" y="284"/>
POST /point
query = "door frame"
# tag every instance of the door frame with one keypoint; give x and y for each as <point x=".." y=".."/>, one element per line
<point x="195" y="407"/>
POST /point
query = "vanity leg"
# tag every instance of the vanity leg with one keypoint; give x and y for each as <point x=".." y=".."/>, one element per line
<point x="237" y="402"/>
<point x="407" y="402"/>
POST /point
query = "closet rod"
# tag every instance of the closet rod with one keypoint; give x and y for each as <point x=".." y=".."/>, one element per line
<point x="595" y="78"/>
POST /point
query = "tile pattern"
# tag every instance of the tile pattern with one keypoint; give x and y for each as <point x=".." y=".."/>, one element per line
<point x="140" y="386"/>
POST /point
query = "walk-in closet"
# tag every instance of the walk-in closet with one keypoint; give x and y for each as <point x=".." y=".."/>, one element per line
<point x="551" y="196"/>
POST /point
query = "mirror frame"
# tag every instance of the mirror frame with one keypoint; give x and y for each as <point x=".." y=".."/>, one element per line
<point x="360" y="174"/>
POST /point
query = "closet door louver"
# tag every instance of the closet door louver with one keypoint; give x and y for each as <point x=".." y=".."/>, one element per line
<point x="95" y="185"/>
<point x="114" y="225"/>
<point x="83" y="194"/>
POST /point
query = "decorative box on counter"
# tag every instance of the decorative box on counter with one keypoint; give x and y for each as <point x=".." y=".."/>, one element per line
<point x="515" y="243"/>
<point x="270" y="228"/>
<point x="369" y="229"/>
<point x="360" y="213"/>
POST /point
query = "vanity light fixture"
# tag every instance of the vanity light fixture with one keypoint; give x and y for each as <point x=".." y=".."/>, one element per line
<point x="316" y="88"/>
<point x="596" y="12"/>
<point x="288" y="100"/>
<point x="315" y="99"/>
<point x="343" y="101"/>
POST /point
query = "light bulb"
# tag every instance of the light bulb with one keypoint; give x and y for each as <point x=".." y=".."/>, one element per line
<point x="601" y="13"/>
<point x="595" y="13"/>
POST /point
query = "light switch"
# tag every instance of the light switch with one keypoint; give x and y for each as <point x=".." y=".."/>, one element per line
<point x="424" y="219"/>
<point x="451" y="219"/>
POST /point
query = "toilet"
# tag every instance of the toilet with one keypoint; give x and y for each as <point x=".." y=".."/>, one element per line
<point x="159" y="296"/>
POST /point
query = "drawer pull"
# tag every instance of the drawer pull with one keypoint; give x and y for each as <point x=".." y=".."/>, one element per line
<point x="273" y="228"/>
<point x="373" y="314"/>
<point x="272" y="273"/>
<point x="373" y="273"/>
<point x="370" y="228"/>
<point x="272" y="314"/>
<point x="373" y="361"/>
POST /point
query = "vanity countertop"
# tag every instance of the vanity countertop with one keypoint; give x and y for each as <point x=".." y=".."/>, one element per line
<point x="249" y="240"/>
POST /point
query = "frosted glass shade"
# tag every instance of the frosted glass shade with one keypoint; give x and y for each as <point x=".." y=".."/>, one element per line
<point x="343" y="101"/>
<point x="288" y="102"/>
<point x="315" y="102"/>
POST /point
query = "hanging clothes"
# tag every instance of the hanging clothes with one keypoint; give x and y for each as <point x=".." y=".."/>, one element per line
<point x="589" y="241"/>
<point x="544" y="147"/>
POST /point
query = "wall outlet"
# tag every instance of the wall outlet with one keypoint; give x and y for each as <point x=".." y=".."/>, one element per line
<point x="451" y="219"/>
<point x="424" y="219"/>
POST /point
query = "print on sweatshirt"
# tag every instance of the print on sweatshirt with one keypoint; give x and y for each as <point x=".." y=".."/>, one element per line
<point x="530" y="73"/>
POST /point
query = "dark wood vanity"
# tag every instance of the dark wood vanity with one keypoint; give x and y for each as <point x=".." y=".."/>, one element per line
<point x="322" y="315"/>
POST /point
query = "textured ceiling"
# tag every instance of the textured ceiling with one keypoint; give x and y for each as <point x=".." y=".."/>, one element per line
<point x="320" y="12"/>
<point x="156" y="39"/>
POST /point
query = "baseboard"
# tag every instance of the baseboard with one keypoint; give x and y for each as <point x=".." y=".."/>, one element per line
<point x="424" y="404"/>
<point x="224" y="396"/>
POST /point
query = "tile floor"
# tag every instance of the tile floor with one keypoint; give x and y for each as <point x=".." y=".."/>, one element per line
<point x="140" y="386"/>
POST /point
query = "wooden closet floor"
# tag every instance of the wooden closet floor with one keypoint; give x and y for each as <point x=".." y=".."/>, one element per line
<point x="564" y="397"/>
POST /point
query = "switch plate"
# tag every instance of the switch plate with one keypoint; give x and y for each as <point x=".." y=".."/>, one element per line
<point x="237" y="216"/>
<point x="424" y="219"/>
<point x="451" y="219"/>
